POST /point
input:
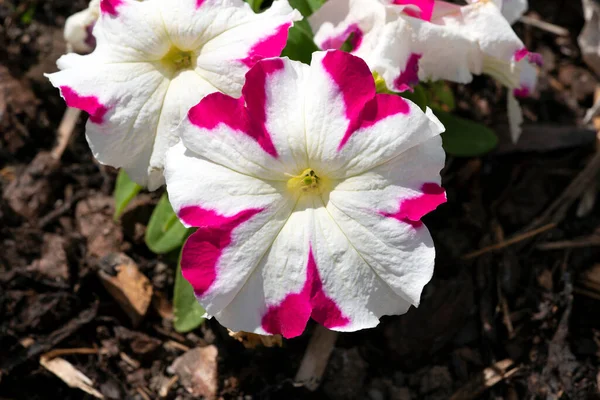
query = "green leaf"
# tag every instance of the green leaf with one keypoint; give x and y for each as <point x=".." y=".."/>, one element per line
<point x="465" y="138"/>
<point x="27" y="16"/>
<point x="300" y="44"/>
<point x="188" y="313"/>
<point x="255" y="5"/>
<point x="442" y="93"/>
<point x="164" y="233"/>
<point x="125" y="191"/>
<point x="307" y="7"/>
<point x="417" y="96"/>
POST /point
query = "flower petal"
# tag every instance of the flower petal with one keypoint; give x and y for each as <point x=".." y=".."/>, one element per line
<point x="380" y="211"/>
<point x="250" y="37"/>
<point x="124" y="102"/>
<point x="351" y="128"/>
<point x="514" y="9"/>
<point x="130" y="31"/>
<point x="237" y="217"/>
<point x="264" y="129"/>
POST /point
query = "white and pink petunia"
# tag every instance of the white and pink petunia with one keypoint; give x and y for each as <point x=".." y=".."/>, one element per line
<point x="78" y="29"/>
<point x="154" y="60"/>
<point x="407" y="41"/>
<point x="308" y="194"/>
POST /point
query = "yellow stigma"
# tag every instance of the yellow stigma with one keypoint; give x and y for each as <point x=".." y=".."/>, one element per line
<point x="177" y="59"/>
<point x="306" y="182"/>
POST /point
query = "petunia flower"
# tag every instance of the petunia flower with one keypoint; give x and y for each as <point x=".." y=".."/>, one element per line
<point x="78" y="29"/>
<point x="407" y="41"/>
<point x="153" y="61"/>
<point x="513" y="9"/>
<point x="308" y="193"/>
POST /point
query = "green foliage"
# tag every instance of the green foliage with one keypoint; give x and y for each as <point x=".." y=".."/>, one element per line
<point x="164" y="233"/>
<point x="442" y="95"/>
<point x="465" y="138"/>
<point x="307" y="7"/>
<point x="255" y="4"/>
<point x="188" y="313"/>
<point x="27" y="16"/>
<point x="125" y="191"/>
<point x="417" y="96"/>
<point x="300" y="44"/>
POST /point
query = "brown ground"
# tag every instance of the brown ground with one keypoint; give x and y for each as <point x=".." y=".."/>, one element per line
<point x="533" y="303"/>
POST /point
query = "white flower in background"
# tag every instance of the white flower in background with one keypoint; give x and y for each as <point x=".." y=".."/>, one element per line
<point x="408" y="41"/>
<point x="308" y="194"/>
<point x="153" y="61"/>
<point x="513" y="9"/>
<point x="78" y="29"/>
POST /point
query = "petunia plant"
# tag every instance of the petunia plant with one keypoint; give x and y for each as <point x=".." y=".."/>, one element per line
<point x="298" y="167"/>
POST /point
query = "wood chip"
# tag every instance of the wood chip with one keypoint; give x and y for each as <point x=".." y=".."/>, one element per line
<point x="69" y="374"/>
<point x="316" y="358"/>
<point x="252" y="340"/>
<point x="485" y="380"/>
<point x="197" y="371"/>
<point x="127" y="285"/>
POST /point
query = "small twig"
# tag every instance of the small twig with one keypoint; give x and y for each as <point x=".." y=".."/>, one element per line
<point x="171" y="344"/>
<point x="593" y="240"/>
<point x="166" y="387"/>
<point x="509" y="242"/>
<point x="485" y="380"/>
<point x="142" y="392"/>
<point x="558" y="209"/>
<point x="60" y="211"/>
<point x="545" y="26"/>
<point x="65" y="352"/>
<point x="65" y="130"/>
<point x="316" y="358"/>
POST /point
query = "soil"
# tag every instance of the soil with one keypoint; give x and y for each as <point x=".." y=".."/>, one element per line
<point x="517" y="321"/>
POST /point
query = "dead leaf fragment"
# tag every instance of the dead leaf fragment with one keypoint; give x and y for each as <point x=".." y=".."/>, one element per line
<point x="126" y="284"/>
<point x="252" y="340"/>
<point x="197" y="371"/>
<point x="69" y="374"/>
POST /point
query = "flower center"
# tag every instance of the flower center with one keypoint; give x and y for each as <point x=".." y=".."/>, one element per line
<point x="307" y="182"/>
<point x="177" y="59"/>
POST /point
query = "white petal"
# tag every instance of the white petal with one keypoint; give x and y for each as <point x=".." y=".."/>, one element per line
<point x="237" y="217"/>
<point x="225" y="58"/>
<point x="78" y="29"/>
<point x="350" y="129"/>
<point x="124" y="102"/>
<point x="380" y="212"/>
<point x="515" y="117"/>
<point x="514" y="9"/>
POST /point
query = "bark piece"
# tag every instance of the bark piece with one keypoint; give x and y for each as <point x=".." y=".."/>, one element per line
<point x="127" y="285"/>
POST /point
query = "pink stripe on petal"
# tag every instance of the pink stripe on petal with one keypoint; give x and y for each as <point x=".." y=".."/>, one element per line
<point x="425" y="8"/>
<point x="324" y="309"/>
<point x="353" y="79"/>
<point x="89" y="104"/>
<point x="522" y="92"/>
<point x="110" y="6"/>
<point x="199" y="3"/>
<point x="336" y="42"/>
<point x="218" y="108"/>
<point x="270" y="46"/>
<point x="289" y="317"/>
<point x="376" y="110"/>
<point x="532" y="58"/>
<point x="203" y="249"/>
<point x="412" y="210"/>
<point x="521" y="54"/>
<point x="410" y="76"/>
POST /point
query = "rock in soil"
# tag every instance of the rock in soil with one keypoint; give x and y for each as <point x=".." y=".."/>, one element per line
<point x="197" y="371"/>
